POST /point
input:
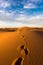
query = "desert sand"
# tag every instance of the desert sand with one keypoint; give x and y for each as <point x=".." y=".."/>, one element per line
<point x="9" y="41"/>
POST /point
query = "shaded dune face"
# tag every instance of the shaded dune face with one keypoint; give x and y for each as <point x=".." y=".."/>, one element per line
<point x="9" y="41"/>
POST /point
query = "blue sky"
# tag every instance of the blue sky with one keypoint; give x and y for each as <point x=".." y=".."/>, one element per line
<point x="17" y="13"/>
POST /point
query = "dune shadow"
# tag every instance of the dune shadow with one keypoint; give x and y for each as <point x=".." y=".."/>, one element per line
<point x="39" y="32"/>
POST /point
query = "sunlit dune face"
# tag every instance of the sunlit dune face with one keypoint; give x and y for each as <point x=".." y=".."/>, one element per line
<point x="9" y="41"/>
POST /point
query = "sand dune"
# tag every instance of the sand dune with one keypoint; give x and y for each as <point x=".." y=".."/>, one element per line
<point x="9" y="41"/>
<point x="8" y="29"/>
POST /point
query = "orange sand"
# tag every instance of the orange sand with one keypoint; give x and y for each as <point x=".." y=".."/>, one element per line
<point x="9" y="41"/>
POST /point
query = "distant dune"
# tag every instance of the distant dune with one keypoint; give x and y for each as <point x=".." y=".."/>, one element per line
<point x="10" y="39"/>
<point x="8" y="29"/>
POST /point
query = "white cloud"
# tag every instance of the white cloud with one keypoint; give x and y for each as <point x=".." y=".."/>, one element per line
<point x="21" y="17"/>
<point x="12" y="24"/>
<point x="33" y="21"/>
<point x="1" y="11"/>
<point x="30" y="5"/>
<point x="10" y="16"/>
<point x="36" y="20"/>
<point x="6" y="16"/>
<point x="10" y="20"/>
<point x="4" y="4"/>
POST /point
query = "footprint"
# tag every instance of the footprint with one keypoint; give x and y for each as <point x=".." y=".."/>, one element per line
<point x="18" y="61"/>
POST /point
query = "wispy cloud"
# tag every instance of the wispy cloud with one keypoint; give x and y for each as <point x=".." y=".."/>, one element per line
<point x="21" y="12"/>
<point x="22" y="20"/>
<point x="1" y="11"/>
<point x="4" y="4"/>
<point x="30" y="5"/>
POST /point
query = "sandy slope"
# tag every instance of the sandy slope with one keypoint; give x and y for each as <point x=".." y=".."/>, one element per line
<point x="9" y="41"/>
